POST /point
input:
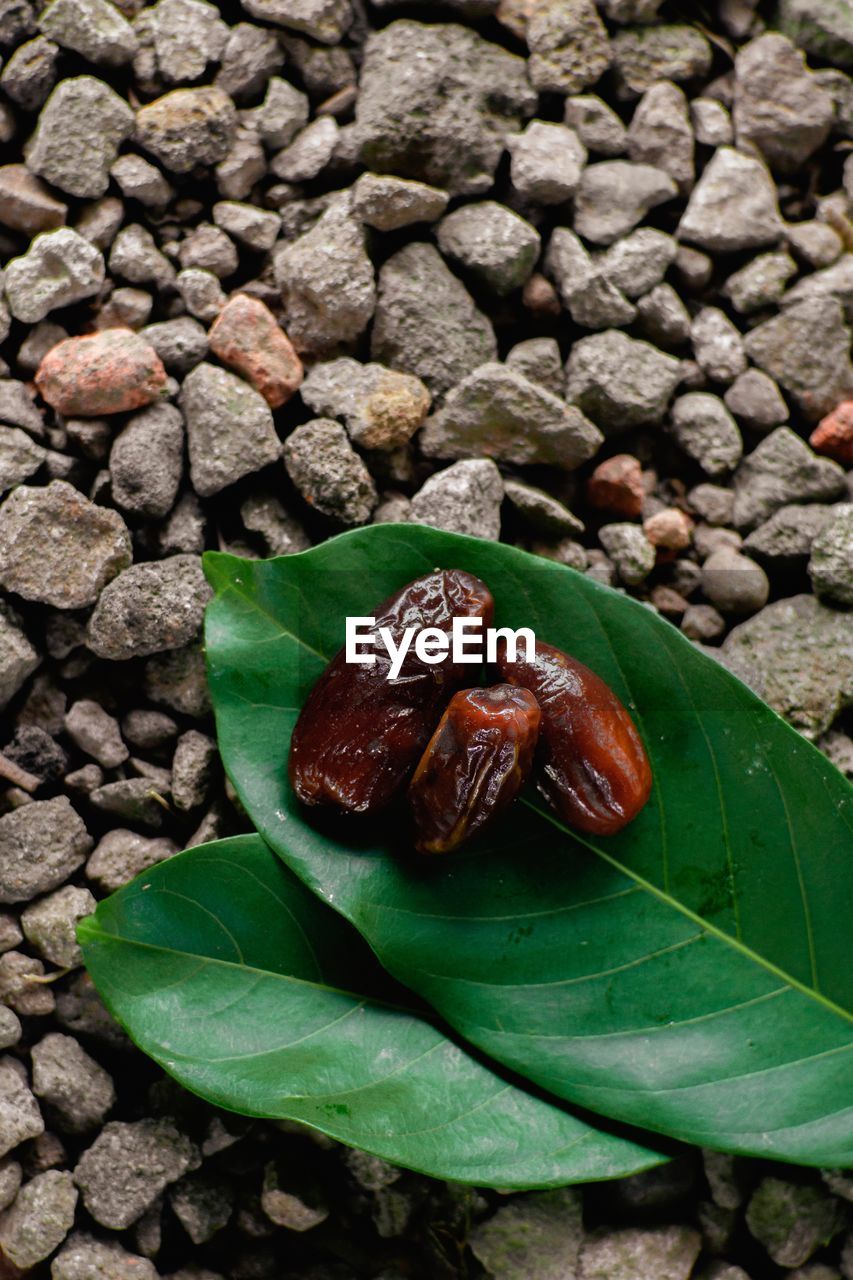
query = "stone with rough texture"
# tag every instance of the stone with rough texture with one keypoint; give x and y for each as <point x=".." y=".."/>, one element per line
<point x="387" y="203"/>
<point x="426" y="322"/>
<point x="381" y="407"/>
<point x="79" y="131"/>
<point x="639" y="262"/>
<point x="20" y="457"/>
<point x="30" y="73"/>
<point x="246" y="336"/>
<point x="437" y="117"/>
<point x="706" y="431"/>
<point x="792" y="1221"/>
<point x="833" y="436"/>
<point x="147" y="461"/>
<point x="597" y="125"/>
<point x="761" y="283"/>
<point x="123" y="854"/>
<point x="786" y="539"/>
<point x="26" y="204"/>
<point x="20" y="1117"/>
<point x="128" y="1165"/>
<point x="465" y="498"/>
<point x="187" y="34"/>
<point x="281" y="534"/>
<point x="498" y="413"/>
<point x="18" y="657"/>
<point x="717" y="345"/>
<point x="569" y="49"/>
<point x="806" y="349"/>
<point x="644" y="55"/>
<point x="661" y="133"/>
<point x="192" y="769"/>
<point x="323" y="20"/>
<point x="586" y="289"/>
<point x="83" y="1257"/>
<point x="536" y="1237"/>
<point x="59" y="268"/>
<point x="93" y="28"/>
<point x="620" y="383"/>
<point x="797" y="655"/>
<point x="614" y="195"/>
<point x="327" y="283"/>
<point x="253" y="227"/>
<point x="666" y="1253"/>
<point x="616" y="486"/>
<point x="547" y="162"/>
<point x="187" y="127"/>
<point x="539" y="509"/>
<point x="539" y="360"/>
<point x="181" y="344"/>
<point x="780" y="107"/>
<point x="230" y="429"/>
<point x="733" y="206"/>
<point x="755" y="398"/>
<point x="77" y="1089"/>
<point x="630" y="550"/>
<point x="821" y="27"/>
<point x="39" y="1220"/>
<point x="112" y="371"/>
<point x="49" y="925"/>
<point x="17" y="407"/>
<point x="831" y="563"/>
<point x="41" y="845"/>
<point x="58" y="548"/>
<point x="328" y="472"/>
<point x="781" y="470"/>
<point x="149" y="608"/>
<point x="492" y="242"/>
<point x="95" y="732"/>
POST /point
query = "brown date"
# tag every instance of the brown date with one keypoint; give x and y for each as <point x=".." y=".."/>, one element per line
<point x="593" y="766"/>
<point x="360" y="735"/>
<point x="475" y="764"/>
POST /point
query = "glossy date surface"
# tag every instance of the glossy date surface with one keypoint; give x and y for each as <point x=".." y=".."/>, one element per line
<point x="475" y="765"/>
<point x="360" y="735"/>
<point x="592" y="765"/>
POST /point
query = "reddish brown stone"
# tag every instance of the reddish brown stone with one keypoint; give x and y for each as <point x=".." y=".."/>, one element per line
<point x="616" y="486"/>
<point x="246" y="336"/>
<point x="109" y="372"/>
<point x="834" y="435"/>
<point x="669" y="529"/>
<point x="540" y="296"/>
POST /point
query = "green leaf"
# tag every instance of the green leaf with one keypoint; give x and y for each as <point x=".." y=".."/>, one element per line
<point x="692" y="975"/>
<point x="225" y="969"/>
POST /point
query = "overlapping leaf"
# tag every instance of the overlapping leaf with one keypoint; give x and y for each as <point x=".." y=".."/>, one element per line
<point x="695" y="973"/>
<point x="230" y="973"/>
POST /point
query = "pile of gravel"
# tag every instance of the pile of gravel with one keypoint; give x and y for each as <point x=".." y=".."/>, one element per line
<point x="575" y="275"/>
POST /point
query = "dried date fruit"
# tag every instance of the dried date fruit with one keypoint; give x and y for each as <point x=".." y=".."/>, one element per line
<point x="593" y="766"/>
<point x="360" y="734"/>
<point x="475" y="765"/>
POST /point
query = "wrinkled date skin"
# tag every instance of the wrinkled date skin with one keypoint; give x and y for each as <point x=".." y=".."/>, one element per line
<point x="475" y="765"/>
<point x="594" y="770"/>
<point x="360" y="735"/>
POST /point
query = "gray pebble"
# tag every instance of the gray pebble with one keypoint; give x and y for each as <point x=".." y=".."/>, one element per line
<point x="140" y="180"/>
<point x="309" y="153"/>
<point x="706" y="431"/>
<point x="640" y="261"/>
<point x="547" y="162"/>
<point x="93" y="28"/>
<point x="756" y="399"/>
<point x="26" y="204"/>
<point x="780" y="107"/>
<point x="733" y="206"/>
<point x="465" y="498"/>
<point x="831" y="563"/>
<point x="135" y="257"/>
<point x="712" y="123"/>
<point x="382" y="408"/>
<point x="77" y="1089"/>
<point x="781" y="470"/>
<point x="540" y="509"/>
<point x="50" y="925"/>
<point x="281" y="534"/>
<point x="703" y="622"/>
<point x="734" y="583"/>
<point x="817" y="244"/>
<point x="79" y="131"/>
<point x="426" y="321"/>
<point x="661" y="133"/>
<point x="807" y="350"/>
<point x="202" y="1205"/>
<point x="323" y="20"/>
<point x="148" y="730"/>
<point x="11" y="1032"/>
<point x="181" y="343"/>
<point x="539" y="360"/>
<point x="712" y="503"/>
<point x="630" y="550"/>
<point x="123" y="854"/>
<point x="249" y="57"/>
<point x="498" y="413"/>
<point x="534" y="1237"/>
<point x="96" y="733"/>
<point x="253" y="227"/>
<point x="149" y="608"/>
<point x="126" y="309"/>
<point x="717" y="345"/>
<point x="187" y="35"/>
<point x="39" y="1220"/>
<point x="387" y="203"/>
<point x="833" y="282"/>
<point x="128" y="1165"/>
<point x="17" y="407"/>
<point x="792" y="1221"/>
<point x="644" y="55"/>
<point x="597" y="125"/>
<point x="85" y="1258"/>
<point x="20" y="457"/>
<point x="80" y="1010"/>
<point x="10" y="1173"/>
<point x="667" y="1253"/>
<point x="614" y="195"/>
<point x="663" y="317"/>
<point x="22" y="988"/>
<point x="20" y="1117"/>
<point x="495" y="244"/>
<point x="59" y="268"/>
<point x="569" y="49"/>
<point x="328" y="472"/>
<point x="586" y="291"/>
<point x="30" y="73"/>
<point x="201" y="293"/>
<point x="10" y="933"/>
<point x="147" y="462"/>
<point x="761" y="283"/>
<point x="187" y="127"/>
<point x="192" y="769"/>
<point x="41" y="845"/>
<point x="786" y="539"/>
<point x="230" y="429"/>
<point x="178" y="680"/>
<point x="99" y="221"/>
<point x="283" y="112"/>
<point x="620" y="383"/>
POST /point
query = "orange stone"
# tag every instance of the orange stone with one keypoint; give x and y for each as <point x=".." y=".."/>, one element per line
<point x="247" y="336"/>
<point x="113" y="371"/>
<point x="616" y="486"/>
<point x="669" y="529"/>
<point x="834" y="435"/>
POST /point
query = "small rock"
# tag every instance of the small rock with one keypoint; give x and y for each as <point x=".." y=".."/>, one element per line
<point x="540" y="510"/>
<point x="148" y="730"/>
<point x="26" y="204"/>
<point x="614" y="195"/>
<point x="464" y="498"/>
<point x="706" y="431"/>
<point x="498" y="413"/>
<point x="39" y="1220"/>
<point x="17" y="407"/>
<point x="192" y="769"/>
<point x="447" y="126"/>
<point x="283" y="112"/>
<point x="84" y="1258"/>
<point x="797" y="655"/>
<point x="187" y="127"/>
<point x="93" y="28"/>
<point x="547" y="162"/>
<point x="230" y="429"/>
<point x="817" y="244"/>
<point x="382" y="408"/>
<point x="96" y="733"/>
<point x="202" y="1205"/>
<point x="712" y="503"/>
<point x="201" y="293"/>
<point x="122" y="854"/>
<point x="786" y="539"/>
<point x="831" y="563"/>
<point x="181" y="343"/>
<point x="50" y="925"/>
<point x="178" y="680"/>
<point x="717" y="345"/>
<point x="149" y="608"/>
<point x="147" y="462"/>
<point x="535" y="1237"/>
<point x="820" y="27"/>
<point x="833" y="436"/>
<point x="568" y="44"/>
<point x="733" y="206"/>
<point x="663" y="317"/>
<point x="326" y="282"/>
<point x="642" y="56"/>
<point x="586" y="290"/>
<point x="113" y="371"/>
<point x="287" y="1204"/>
<point x="57" y="548"/>
<point x="761" y="283"/>
<point x="249" y="57"/>
<point x="669" y="529"/>
<point x="734" y="583"/>
<point x="388" y="203"/>
<point x="667" y="1253"/>
<point x="426" y="322"/>
<point x="128" y="1165"/>
<point x="309" y="153"/>
<point x="256" y="228"/>
<point x="712" y="124"/>
<point x="141" y="181"/>
<point x="59" y="268"/>
<point x="782" y="470"/>
<point x="630" y="550"/>
<point x="494" y="243"/>
<point x="30" y="73"/>
<point x="209" y="248"/>
<point x="618" y="382"/>
<point x="10" y="1174"/>
<point x="616" y="486"/>
<point x="597" y="125"/>
<point x="702" y="622"/>
<point x="780" y="107"/>
<point x="792" y="1221"/>
<point x="41" y="845"/>
<point x="755" y="398"/>
<point x="187" y="35"/>
<point x="661" y="133"/>
<point x="79" y="131"/>
<point x="323" y="20"/>
<point x="246" y="336"/>
<point x="539" y="360"/>
<point x="20" y="457"/>
<point x="21" y="988"/>
<point x="76" y="1088"/>
<point x="126" y="309"/>
<point x="328" y="472"/>
<point x="640" y="261"/>
<point x="282" y="535"/>
<point x="135" y="257"/>
<point x="20" y="1117"/>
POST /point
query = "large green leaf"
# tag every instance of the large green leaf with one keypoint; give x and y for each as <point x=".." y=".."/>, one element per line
<point x="693" y="974"/>
<point x="225" y="969"/>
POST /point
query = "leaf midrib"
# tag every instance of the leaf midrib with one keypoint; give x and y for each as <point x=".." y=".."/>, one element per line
<point x="640" y="881"/>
